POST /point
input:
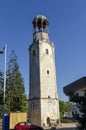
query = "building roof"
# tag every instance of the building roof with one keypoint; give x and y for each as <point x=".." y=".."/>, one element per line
<point x="40" y="18"/>
<point x="76" y="85"/>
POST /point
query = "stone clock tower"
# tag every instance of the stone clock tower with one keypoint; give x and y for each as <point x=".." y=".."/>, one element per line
<point x="43" y="96"/>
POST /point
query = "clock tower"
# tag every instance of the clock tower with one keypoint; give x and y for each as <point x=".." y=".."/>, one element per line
<point x="43" y="95"/>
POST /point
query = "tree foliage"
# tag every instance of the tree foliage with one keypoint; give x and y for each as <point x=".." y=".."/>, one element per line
<point x="63" y="108"/>
<point x="81" y="103"/>
<point x="16" y="99"/>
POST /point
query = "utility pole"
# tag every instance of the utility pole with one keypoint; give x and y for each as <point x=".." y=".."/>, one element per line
<point x="4" y="51"/>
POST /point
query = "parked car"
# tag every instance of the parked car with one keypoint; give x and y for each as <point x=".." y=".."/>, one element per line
<point x="27" y="126"/>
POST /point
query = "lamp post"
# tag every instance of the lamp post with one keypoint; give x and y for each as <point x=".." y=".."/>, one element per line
<point x="4" y="52"/>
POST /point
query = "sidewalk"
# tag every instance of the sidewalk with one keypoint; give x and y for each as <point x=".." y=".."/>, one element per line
<point x="67" y="125"/>
<point x="63" y="126"/>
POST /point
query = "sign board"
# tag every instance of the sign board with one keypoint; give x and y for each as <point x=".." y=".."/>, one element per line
<point x="16" y="117"/>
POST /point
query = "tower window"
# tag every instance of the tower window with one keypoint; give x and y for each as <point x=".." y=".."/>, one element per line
<point x="47" y="71"/>
<point x="46" y="51"/>
<point x="34" y="53"/>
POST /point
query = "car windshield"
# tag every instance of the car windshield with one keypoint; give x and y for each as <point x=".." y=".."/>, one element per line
<point x="22" y="123"/>
<point x="28" y="124"/>
<point x="25" y="123"/>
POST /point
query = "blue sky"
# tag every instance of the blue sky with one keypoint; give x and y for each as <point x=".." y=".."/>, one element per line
<point x="67" y="29"/>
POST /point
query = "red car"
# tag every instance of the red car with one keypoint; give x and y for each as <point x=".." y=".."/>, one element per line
<point x="26" y="126"/>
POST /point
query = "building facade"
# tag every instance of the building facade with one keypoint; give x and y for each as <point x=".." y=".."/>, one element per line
<point x="43" y="96"/>
<point x="76" y="87"/>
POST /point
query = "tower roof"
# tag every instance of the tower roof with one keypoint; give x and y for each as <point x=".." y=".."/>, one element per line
<point x="39" y="18"/>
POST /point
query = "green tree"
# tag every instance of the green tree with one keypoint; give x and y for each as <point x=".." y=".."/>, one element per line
<point x="81" y="103"/>
<point x="63" y="108"/>
<point x="1" y="93"/>
<point x="16" y="99"/>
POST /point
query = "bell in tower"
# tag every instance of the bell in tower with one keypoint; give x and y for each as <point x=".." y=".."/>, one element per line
<point x="40" y="27"/>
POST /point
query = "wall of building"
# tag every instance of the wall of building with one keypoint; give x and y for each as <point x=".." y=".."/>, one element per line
<point x="49" y="110"/>
<point x="43" y="102"/>
<point x="35" y="111"/>
<point x="47" y="70"/>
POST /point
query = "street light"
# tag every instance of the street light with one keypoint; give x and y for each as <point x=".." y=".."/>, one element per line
<point x="4" y="52"/>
